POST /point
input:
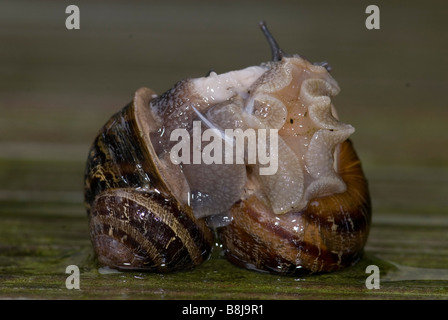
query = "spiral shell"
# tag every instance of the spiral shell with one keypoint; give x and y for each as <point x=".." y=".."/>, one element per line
<point x="317" y="239"/>
<point x="135" y="220"/>
<point x="302" y="206"/>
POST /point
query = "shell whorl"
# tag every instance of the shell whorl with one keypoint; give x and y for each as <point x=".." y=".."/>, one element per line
<point x="135" y="221"/>
<point x="327" y="235"/>
<point x="150" y="203"/>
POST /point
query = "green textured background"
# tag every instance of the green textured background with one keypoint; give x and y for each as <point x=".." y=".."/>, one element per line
<point x="58" y="87"/>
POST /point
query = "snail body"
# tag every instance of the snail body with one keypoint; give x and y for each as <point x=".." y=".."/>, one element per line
<point x="150" y="209"/>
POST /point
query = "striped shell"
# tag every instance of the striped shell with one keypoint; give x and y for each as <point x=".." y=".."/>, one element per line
<point x="135" y="221"/>
<point x="149" y="212"/>
<point x="328" y="235"/>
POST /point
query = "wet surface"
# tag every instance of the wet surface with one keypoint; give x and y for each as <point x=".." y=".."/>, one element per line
<point x="58" y="87"/>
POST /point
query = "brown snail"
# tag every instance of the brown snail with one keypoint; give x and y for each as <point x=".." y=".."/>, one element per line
<point x="156" y="183"/>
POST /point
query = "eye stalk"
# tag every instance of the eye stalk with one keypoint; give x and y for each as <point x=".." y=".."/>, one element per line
<point x="278" y="53"/>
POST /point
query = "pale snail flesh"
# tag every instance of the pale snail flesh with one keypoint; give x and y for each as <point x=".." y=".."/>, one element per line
<point x="150" y="211"/>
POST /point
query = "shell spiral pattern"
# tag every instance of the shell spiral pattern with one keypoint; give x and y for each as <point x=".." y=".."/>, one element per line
<point x="135" y="223"/>
<point x="151" y="208"/>
<point x="317" y="239"/>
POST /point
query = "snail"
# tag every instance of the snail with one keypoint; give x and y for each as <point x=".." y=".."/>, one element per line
<point x="165" y="178"/>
